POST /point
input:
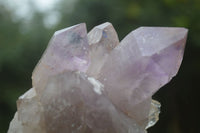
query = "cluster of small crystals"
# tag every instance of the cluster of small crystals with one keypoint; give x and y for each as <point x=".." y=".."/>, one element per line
<point x="92" y="83"/>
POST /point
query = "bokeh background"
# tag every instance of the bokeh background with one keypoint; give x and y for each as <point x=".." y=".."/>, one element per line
<point x="26" y="26"/>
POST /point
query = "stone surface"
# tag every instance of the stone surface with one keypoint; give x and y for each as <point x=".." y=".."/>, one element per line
<point x="94" y="84"/>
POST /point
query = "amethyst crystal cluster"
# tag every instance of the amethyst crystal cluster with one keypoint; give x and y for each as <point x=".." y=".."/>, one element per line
<point x="92" y="83"/>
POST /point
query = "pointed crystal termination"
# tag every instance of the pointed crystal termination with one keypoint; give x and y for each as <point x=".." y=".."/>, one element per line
<point x="165" y="45"/>
<point x="98" y="85"/>
<point x="67" y="50"/>
<point x="102" y="39"/>
<point x="145" y="60"/>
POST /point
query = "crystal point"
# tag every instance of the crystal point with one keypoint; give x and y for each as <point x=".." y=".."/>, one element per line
<point x="151" y="40"/>
<point x="145" y="60"/>
<point x="92" y="83"/>
<point x="102" y="39"/>
<point x="67" y="50"/>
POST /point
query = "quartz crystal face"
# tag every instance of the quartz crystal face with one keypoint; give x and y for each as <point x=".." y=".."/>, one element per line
<point x="92" y="83"/>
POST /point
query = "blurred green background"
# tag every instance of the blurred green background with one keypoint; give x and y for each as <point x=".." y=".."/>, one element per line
<point x="26" y="27"/>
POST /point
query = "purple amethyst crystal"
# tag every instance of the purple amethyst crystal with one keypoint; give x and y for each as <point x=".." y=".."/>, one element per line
<point x="94" y="84"/>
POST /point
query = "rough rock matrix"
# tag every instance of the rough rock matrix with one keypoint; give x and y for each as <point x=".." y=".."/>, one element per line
<point x="92" y="83"/>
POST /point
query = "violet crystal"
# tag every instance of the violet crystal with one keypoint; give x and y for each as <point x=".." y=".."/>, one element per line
<point x="94" y="84"/>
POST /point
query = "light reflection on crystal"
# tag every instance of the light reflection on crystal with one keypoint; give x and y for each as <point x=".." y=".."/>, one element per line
<point x="154" y="113"/>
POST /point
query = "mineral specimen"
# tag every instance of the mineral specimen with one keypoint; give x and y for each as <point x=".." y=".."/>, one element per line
<point x="94" y="84"/>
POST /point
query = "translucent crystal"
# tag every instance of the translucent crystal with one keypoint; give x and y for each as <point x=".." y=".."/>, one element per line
<point x="94" y="84"/>
<point x="153" y="113"/>
<point x="102" y="39"/>
<point x="68" y="49"/>
<point x="146" y="59"/>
